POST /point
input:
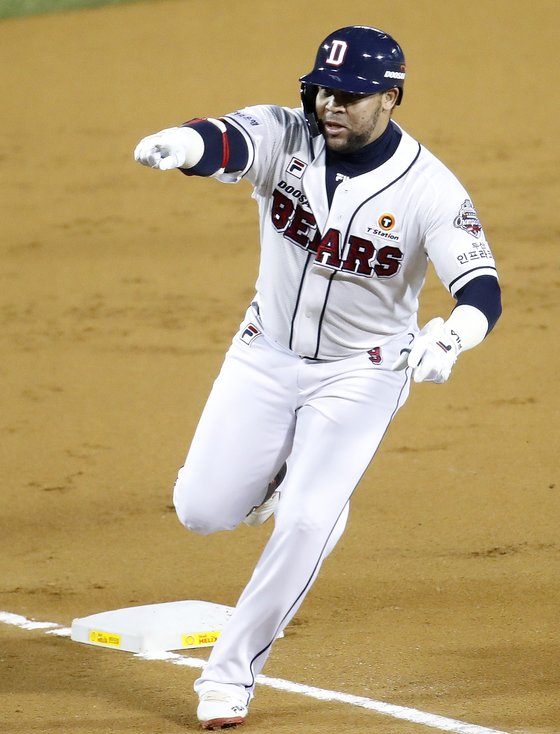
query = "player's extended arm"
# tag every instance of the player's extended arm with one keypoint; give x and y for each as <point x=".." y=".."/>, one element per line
<point x="202" y="147"/>
<point x="435" y="349"/>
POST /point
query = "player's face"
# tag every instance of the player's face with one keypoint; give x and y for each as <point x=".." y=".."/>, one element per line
<point x="350" y="121"/>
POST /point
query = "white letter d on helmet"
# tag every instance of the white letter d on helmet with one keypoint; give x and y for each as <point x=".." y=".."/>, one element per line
<point x="337" y="53"/>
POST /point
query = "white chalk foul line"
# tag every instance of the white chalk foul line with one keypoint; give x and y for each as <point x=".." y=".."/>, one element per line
<point x="388" y="709"/>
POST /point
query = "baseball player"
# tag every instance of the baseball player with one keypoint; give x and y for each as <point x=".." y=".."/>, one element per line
<point x="351" y="210"/>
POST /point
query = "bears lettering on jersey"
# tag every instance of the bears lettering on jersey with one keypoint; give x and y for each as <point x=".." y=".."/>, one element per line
<point x="360" y="256"/>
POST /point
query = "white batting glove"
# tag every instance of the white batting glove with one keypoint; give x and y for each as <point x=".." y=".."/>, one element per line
<point x="433" y="353"/>
<point x="174" y="147"/>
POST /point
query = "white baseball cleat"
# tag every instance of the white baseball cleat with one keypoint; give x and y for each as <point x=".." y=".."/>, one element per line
<point x="220" y="710"/>
<point x="261" y="513"/>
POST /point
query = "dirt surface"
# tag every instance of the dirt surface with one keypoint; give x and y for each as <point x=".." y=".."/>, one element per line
<point x="120" y="288"/>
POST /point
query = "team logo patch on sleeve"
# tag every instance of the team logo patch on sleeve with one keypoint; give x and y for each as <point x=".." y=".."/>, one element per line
<point x="467" y="219"/>
<point x="296" y="167"/>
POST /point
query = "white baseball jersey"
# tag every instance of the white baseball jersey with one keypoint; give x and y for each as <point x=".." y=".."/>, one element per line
<point x="334" y="282"/>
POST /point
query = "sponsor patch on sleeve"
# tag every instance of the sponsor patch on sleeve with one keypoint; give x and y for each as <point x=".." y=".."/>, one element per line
<point x="480" y="253"/>
<point x="247" y="117"/>
<point x="250" y="334"/>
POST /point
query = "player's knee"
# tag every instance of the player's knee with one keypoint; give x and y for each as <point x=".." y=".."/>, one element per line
<point x="194" y="519"/>
<point x="201" y="526"/>
<point x="196" y="512"/>
<point x="193" y="514"/>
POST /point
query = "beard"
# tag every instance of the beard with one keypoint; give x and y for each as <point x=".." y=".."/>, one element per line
<point x="354" y="140"/>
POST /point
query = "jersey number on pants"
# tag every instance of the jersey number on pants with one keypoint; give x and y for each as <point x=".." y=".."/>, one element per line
<point x="361" y="256"/>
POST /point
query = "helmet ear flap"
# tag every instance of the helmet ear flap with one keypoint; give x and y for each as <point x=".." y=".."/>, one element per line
<point x="308" y="93"/>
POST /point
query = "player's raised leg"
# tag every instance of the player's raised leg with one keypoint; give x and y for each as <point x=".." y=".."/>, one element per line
<point x="242" y="439"/>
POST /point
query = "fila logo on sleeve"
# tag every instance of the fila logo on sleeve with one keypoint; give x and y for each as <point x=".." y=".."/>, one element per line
<point x="250" y="334"/>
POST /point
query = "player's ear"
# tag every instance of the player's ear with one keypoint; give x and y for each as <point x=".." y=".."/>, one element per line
<point x="389" y="98"/>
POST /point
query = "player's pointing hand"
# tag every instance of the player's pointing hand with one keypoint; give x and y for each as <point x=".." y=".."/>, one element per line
<point x="174" y="147"/>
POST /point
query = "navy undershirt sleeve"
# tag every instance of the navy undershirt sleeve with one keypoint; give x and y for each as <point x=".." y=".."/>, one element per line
<point x="212" y="157"/>
<point x="238" y="149"/>
<point x="483" y="293"/>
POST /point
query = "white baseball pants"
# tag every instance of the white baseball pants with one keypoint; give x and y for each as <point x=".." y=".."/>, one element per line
<point x="268" y="406"/>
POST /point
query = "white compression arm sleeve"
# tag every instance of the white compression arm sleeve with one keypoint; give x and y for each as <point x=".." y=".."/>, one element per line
<point x="194" y="146"/>
<point x="470" y="325"/>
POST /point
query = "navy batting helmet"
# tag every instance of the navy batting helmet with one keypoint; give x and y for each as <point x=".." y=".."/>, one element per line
<point x="356" y="59"/>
